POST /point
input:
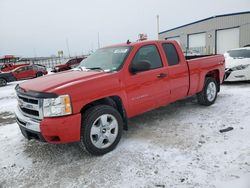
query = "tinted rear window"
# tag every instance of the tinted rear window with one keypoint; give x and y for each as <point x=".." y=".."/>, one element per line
<point x="171" y="54"/>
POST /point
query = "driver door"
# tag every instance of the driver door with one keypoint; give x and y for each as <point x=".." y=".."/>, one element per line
<point x="147" y="89"/>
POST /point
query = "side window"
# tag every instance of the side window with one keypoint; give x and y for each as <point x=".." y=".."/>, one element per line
<point x="29" y="68"/>
<point x="69" y="62"/>
<point x="34" y="67"/>
<point x="20" y="69"/>
<point x="171" y="54"/>
<point x="148" y="53"/>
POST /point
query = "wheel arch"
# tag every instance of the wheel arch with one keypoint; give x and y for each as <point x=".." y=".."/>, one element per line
<point x="114" y="101"/>
<point x="216" y="75"/>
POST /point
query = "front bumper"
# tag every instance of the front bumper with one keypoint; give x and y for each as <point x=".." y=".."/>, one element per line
<point x="237" y="75"/>
<point x="57" y="130"/>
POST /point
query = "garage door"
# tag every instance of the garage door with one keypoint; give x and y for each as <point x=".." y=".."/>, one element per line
<point x="227" y="39"/>
<point x="197" y="42"/>
<point x="175" y="38"/>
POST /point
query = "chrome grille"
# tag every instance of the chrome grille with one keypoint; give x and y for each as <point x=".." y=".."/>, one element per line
<point x="30" y="107"/>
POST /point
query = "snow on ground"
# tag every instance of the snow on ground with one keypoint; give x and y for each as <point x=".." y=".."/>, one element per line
<point x="175" y="146"/>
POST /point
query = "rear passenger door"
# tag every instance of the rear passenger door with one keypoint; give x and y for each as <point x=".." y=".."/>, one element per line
<point x="146" y="89"/>
<point x="178" y="72"/>
<point x="30" y="72"/>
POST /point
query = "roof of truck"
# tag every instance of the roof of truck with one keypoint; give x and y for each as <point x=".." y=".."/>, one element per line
<point x="135" y="43"/>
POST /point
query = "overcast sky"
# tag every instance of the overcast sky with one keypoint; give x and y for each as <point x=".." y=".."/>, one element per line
<point x="42" y="27"/>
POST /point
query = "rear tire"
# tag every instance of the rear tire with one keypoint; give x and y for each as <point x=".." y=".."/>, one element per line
<point x="101" y="129"/>
<point x="208" y="95"/>
<point x="3" y="82"/>
<point x="39" y="74"/>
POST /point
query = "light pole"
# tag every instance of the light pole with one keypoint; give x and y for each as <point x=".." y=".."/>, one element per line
<point x="67" y="43"/>
<point x="158" y="23"/>
<point x="98" y="37"/>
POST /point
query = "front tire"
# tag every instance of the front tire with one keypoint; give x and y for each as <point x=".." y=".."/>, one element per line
<point x="208" y="95"/>
<point x="101" y="129"/>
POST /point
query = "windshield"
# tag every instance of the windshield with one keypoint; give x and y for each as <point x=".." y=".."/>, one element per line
<point x="64" y="61"/>
<point x="107" y="59"/>
<point x="242" y="53"/>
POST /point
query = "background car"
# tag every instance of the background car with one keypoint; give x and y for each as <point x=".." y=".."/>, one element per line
<point x="237" y="64"/>
<point x="6" y="77"/>
<point x="68" y="64"/>
<point x="30" y="71"/>
<point x="21" y="73"/>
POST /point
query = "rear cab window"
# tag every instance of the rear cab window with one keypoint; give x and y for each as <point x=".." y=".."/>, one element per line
<point x="171" y="54"/>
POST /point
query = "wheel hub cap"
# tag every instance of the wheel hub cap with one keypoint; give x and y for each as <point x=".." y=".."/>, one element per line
<point x="104" y="131"/>
<point x="211" y="91"/>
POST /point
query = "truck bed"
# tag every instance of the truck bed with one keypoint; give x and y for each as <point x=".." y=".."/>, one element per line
<point x="199" y="67"/>
<point x="196" y="56"/>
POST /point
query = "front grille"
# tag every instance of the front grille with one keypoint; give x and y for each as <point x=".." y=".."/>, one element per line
<point x="30" y="107"/>
<point x="28" y="100"/>
<point x="28" y="111"/>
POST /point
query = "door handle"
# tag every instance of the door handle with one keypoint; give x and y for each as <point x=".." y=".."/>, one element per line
<point x="162" y="75"/>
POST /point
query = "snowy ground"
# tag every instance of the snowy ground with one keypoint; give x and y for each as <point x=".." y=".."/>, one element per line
<point x="175" y="146"/>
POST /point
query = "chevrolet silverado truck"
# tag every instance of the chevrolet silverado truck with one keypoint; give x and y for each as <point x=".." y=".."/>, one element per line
<point x="91" y="103"/>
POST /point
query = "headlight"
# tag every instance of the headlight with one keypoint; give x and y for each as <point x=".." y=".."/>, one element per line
<point x="240" y="67"/>
<point x="59" y="106"/>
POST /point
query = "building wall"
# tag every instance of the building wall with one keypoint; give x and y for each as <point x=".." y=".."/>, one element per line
<point x="210" y="26"/>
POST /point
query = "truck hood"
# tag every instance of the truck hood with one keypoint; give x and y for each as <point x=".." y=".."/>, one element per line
<point x="54" y="82"/>
<point x="230" y="62"/>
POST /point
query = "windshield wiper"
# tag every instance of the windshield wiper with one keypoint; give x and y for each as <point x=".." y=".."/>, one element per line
<point x="95" y="68"/>
<point x="92" y="68"/>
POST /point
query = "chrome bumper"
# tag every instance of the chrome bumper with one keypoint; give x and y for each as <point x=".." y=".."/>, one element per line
<point x="26" y="122"/>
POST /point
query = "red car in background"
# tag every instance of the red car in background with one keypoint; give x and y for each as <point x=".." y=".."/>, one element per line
<point x="68" y="64"/>
<point x="30" y="71"/>
<point x="21" y="73"/>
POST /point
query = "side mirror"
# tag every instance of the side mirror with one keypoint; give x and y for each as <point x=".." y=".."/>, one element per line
<point x="139" y="66"/>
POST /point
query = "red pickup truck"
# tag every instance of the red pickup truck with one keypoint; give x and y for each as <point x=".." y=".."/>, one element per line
<point x="91" y="104"/>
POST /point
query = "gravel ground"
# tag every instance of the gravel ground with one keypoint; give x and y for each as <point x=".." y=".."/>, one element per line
<point x="174" y="146"/>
